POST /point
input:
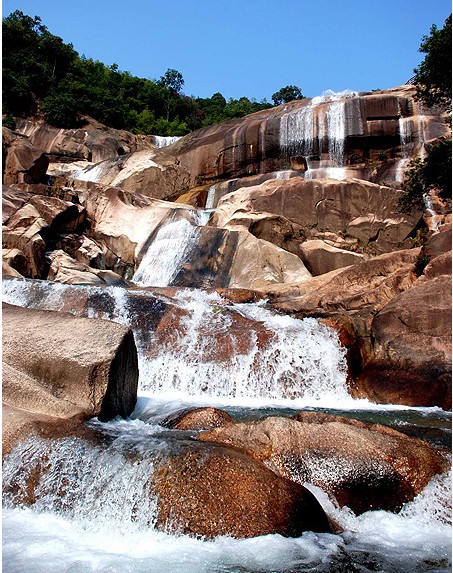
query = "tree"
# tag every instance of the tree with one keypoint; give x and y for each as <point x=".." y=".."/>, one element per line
<point x="173" y="80"/>
<point x="287" y="94"/>
<point x="433" y="75"/>
<point x="424" y="175"/>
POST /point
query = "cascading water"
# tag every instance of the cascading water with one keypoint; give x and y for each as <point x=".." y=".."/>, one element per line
<point x="170" y="248"/>
<point x="322" y="127"/>
<point x="165" y="140"/>
<point x="93" y="511"/>
<point x="218" y="350"/>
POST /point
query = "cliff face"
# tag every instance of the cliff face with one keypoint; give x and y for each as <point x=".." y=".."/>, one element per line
<point x="298" y="202"/>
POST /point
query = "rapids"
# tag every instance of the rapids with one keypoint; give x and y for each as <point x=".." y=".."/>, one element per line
<point x="94" y="509"/>
<point x="102" y="519"/>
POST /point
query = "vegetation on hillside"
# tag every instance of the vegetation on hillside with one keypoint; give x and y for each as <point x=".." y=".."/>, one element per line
<point x="43" y="76"/>
<point x="433" y="81"/>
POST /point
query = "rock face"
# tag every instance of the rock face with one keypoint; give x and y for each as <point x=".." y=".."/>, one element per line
<point x="23" y="162"/>
<point x="93" y="142"/>
<point x="223" y="492"/>
<point x="412" y="348"/>
<point x="363" y="466"/>
<point x="351" y="215"/>
<point x="371" y="130"/>
<point x="32" y="223"/>
<point x="54" y="368"/>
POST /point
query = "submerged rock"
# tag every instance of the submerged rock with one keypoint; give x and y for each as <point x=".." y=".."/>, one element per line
<point x="363" y="466"/>
<point x="219" y="491"/>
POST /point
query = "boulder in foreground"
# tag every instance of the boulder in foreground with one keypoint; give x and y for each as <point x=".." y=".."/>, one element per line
<point x="59" y="365"/>
<point x="224" y="492"/>
<point x="364" y="466"/>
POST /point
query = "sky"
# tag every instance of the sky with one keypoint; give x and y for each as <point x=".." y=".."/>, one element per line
<point x="249" y="48"/>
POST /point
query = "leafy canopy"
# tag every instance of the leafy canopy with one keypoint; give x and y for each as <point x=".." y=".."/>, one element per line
<point x="433" y="75"/>
<point x="287" y="94"/>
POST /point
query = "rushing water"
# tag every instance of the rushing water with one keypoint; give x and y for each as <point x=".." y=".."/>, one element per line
<point x="94" y="513"/>
<point x="94" y="510"/>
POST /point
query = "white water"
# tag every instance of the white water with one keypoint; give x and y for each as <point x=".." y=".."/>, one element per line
<point x="164" y="141"/>
<point x="91" y="173"/>
<point x="270" y="358"/>
<point x="330" y="117"/>
<point x="172" y="246"/>
<point x="95" y="513"/>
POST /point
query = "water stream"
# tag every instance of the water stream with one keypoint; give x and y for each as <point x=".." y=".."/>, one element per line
<point x="92" y="508"/>
<point x="94" y="511"/>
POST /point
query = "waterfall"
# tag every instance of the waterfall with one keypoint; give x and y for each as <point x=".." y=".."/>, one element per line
<point x="171" y="247"/>
<point x="164" y="141"/>
<point x="215" y="348"/>
<point x="275" y="357"/>
<point x="322" y="127"/>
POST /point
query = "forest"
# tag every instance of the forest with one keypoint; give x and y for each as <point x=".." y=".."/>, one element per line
<point x="45" y="77"/>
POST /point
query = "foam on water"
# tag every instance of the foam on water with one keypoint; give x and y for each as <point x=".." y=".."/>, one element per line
<point x="94" y="513"/>
<point x="298" y="357"/>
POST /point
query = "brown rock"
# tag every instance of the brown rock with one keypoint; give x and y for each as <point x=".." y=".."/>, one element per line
<point x="372" y="283"/>
<point x="411" y="363"/>
<point x="22" y="161"/>
<point x="319" y="257"/>
<point x="65" y="269"/>
<point x="224" y="492"/>
<point x="352" y="214"/>
<point x="89" y="364"/>
<point x="204" y="418"/>
<point x="366" y="467"/>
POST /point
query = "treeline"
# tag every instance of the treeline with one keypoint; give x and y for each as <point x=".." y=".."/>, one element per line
<point x="43" y="76"/>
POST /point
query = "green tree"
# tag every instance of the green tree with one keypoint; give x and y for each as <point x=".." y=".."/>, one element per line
<point x="287" y="94"/>
<point x="424" y="175"/>
<point x="433" y="75"/>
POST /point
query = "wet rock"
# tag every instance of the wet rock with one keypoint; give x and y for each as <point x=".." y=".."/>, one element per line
<point x="85" y="364"/>
<point x="203" y="418"/>
<point x="206" y="493"/>
<point x="365" y="467"/>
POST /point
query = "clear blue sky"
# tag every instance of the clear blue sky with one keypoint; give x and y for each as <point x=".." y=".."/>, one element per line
<point x="249" y="47"/>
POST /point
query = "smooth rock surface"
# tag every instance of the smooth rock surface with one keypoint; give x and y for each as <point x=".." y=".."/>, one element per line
<point x="85" y="364"/>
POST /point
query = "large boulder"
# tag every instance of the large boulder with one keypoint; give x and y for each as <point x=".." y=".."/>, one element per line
<point x="59" y="365"/>
<point x="369" y="284"/>
<point x="363" y="466"/>
<point x="219" y="491"/>
<point x="353" y="215"/>
<point x="411" y="359"/>
<point x="22" y="161"/>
